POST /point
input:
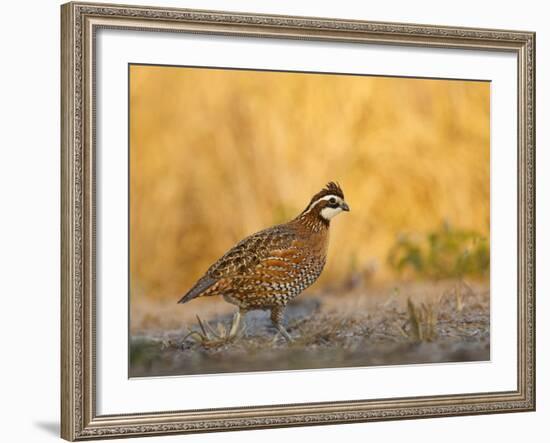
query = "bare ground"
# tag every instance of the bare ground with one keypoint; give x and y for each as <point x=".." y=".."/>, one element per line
<point x="405" y="323"/>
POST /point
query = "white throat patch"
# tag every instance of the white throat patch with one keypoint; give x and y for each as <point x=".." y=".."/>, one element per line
<point x="329" y="213"/>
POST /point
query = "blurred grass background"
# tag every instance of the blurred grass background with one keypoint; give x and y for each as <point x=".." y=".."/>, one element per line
<point x="216" y="155"/>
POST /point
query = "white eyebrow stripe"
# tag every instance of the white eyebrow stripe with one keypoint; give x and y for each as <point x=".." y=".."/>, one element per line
<point x="326" y="197"/>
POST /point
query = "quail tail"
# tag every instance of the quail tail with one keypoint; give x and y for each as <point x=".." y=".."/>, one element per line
<point x="196" y="291"/>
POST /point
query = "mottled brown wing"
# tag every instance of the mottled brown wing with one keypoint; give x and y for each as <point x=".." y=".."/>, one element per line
<point x="263" y="271"/>
<point x="243" y="263"/>
<point x="276" y="279"/>
<point x="245" y="257"/>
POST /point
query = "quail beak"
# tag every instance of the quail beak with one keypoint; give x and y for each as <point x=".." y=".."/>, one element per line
<point x="344" y="206"/>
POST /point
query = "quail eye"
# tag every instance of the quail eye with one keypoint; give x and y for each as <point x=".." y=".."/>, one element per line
<point x="332" y="200"/>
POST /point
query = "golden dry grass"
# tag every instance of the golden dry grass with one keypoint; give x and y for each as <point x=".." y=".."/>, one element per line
<point x="216" y="155"/>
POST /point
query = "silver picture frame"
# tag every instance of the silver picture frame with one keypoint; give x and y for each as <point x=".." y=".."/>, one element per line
<point x="80" y="22"/>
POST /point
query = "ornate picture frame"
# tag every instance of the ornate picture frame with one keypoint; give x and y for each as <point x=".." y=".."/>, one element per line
<point x="80" y="22"/>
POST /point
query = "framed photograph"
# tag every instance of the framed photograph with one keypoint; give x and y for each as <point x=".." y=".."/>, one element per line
<point x="281" y="221"/>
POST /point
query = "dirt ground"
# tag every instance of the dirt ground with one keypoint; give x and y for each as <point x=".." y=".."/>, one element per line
<point x="403" y="323"/>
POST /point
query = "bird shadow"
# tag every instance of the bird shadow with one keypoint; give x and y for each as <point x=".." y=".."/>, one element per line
<point x="50" y="427"/>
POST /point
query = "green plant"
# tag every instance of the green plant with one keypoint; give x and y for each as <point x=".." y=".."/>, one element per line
<point x="443" y="253"/>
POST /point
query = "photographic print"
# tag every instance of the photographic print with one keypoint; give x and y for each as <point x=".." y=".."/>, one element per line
<point x="292" y="202"/>
<point x="300" y="220"/>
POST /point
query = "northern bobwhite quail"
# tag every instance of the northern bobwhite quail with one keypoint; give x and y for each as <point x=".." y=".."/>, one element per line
<point x="268" y="269"/>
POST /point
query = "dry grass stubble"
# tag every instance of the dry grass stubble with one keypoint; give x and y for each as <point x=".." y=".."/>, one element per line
<point x="405" y="324"/>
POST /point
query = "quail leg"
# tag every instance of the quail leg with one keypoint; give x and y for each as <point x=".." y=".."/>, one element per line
<point x="235" y="324"/>
<point x="277" y="319"/>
